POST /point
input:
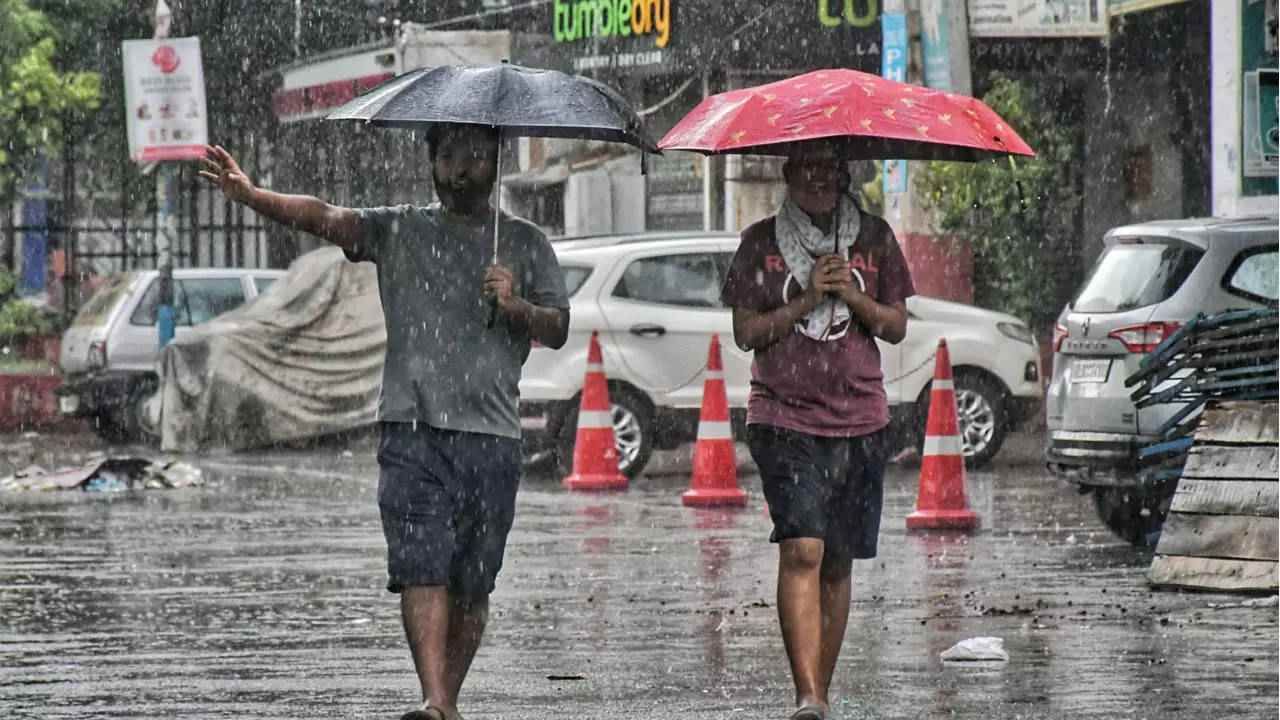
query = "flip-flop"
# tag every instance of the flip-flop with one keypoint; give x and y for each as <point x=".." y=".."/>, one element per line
<point x="426" y="712"/>
<point x="809" y="712"/>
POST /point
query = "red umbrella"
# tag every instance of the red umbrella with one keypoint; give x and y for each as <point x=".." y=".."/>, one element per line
<point x="875" y="118"/>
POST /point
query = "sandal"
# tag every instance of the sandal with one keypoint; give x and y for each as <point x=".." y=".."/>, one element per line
<point x="809" y="712"/>
<point x="426" y="712"/>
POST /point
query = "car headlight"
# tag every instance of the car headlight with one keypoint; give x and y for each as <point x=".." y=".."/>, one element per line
<point x="1016" y="331"/>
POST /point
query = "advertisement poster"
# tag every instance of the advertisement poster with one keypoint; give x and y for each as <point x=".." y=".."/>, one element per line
<point x="935" y="39"/>
<point x="164" y="99"/>
<point x="1037" y="18"/>
<point x="1260" y="89"/>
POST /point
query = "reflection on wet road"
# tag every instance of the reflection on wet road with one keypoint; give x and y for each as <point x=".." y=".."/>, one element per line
<point x="260" y="596"/>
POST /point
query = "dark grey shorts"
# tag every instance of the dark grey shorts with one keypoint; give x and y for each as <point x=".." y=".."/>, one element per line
<point x="447" y="499"/>
<point x="831" y="489"/>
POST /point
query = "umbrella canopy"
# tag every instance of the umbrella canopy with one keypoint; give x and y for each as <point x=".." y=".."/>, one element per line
<point x="872" y="116"/>
<point x="518" y="100"/>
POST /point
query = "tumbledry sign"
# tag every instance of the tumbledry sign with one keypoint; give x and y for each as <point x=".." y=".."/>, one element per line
<point x="614" y="35"/>
<point x="164" y="99"/>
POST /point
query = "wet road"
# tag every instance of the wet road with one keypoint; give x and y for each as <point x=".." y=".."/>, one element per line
<point x="260" y="596"/>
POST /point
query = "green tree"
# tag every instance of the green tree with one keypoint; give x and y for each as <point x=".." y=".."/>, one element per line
<point x="1020" y="216"/>
<point x="20" y="319"/>
<point x="36" y="99"/>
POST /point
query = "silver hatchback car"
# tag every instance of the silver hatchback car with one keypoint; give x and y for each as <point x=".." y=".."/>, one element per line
<point x="109" y="353"/>
<point x="1150" y="279"/>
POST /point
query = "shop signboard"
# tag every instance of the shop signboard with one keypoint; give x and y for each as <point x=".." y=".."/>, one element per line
<point x="847" y="33"/>
<point x="1037" y="18"/>
<point x="311" y="90"/>
<point x="651" y="37"/>
<point x="614" y="34"/>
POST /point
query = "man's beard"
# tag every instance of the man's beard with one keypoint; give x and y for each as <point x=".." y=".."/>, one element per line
<point x="463" y="198"/>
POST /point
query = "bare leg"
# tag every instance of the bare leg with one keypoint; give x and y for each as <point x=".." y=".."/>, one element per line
<point x="425" y="612"/>
<point x="467" y="619"/>
<point x="836" y="583"/>
<point x="801" y="617"/>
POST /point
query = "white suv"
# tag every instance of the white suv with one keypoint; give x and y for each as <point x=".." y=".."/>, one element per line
<point x="655" y="300"/>
<point x="1150" y="279"/>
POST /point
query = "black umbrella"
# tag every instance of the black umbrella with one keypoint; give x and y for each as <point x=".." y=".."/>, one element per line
<point x="518" y="101"/>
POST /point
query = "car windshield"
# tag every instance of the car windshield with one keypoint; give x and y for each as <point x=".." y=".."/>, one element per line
<point x="99" y="307"/>
<point x="1136" y="274"/>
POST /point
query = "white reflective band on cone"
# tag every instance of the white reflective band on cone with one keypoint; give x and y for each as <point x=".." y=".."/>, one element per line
<point x="715" y="374"/>
<point x="943" y="445"/>
<point x="714" y="430"/>
<point x="943" y="385"/>
<point x="595" y="367"/>
<point x="594" y="419"/>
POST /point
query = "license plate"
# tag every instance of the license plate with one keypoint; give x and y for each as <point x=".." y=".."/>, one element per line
<point x="1090" y="371"/>
<point x="69" y="404"/>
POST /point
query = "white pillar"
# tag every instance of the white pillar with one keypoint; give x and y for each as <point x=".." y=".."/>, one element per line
<point x="1224" y="71"/>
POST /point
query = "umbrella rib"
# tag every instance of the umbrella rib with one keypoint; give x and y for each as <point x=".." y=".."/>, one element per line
<point x="384" y="95"/>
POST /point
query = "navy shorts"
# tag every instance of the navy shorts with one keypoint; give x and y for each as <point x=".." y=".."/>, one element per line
<point x="828" y="488"/>
<point x="447" y="500"/>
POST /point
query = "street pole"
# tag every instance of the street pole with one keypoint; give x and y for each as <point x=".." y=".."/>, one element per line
<point x="712" y="180"/>
<point x="166" y="220"/>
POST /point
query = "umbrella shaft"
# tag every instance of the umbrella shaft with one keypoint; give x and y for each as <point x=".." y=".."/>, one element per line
<point x="497" y="197"/>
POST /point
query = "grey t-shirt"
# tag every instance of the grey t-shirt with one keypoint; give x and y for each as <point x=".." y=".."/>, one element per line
<point x="443" y="366"/>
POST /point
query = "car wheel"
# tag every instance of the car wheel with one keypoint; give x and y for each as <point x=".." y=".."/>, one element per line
<point x="981" y="412"/>
<point x="632" y="432"/>
<point x="109" y="426"/>
<point x="123" y="424"/>
<point x="1134" y="514"/>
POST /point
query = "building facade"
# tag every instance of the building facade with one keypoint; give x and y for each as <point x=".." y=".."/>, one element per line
<point x="1155" y="137"/>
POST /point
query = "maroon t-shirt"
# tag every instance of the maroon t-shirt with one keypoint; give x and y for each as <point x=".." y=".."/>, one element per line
<point x="833" y="388"/>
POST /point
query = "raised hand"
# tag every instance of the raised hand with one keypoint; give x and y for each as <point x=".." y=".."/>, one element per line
<point x="222" y="170"/>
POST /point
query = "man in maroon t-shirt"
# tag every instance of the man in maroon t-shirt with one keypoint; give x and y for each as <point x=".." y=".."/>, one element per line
<point x="811" y="289"/>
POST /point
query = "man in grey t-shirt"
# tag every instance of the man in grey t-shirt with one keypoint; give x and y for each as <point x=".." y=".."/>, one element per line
<point x="449" y="456"/>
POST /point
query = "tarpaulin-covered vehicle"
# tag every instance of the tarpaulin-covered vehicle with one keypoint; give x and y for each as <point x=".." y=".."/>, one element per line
<point x="302" y="360"/>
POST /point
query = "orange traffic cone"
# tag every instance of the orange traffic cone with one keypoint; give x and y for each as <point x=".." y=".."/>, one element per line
<point x="941" y="502"/>
<point x="595" y="456"/>
<point x="715" y="469"/>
